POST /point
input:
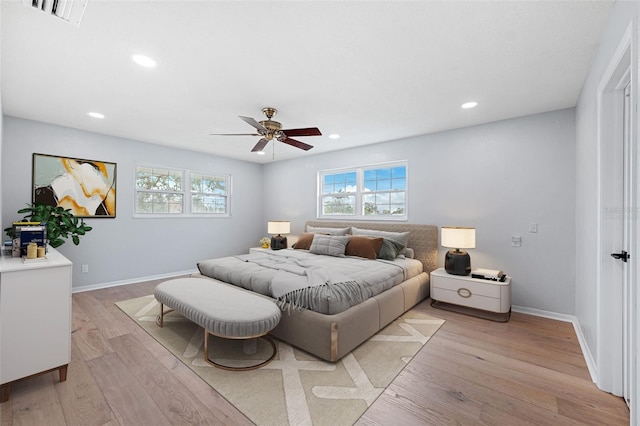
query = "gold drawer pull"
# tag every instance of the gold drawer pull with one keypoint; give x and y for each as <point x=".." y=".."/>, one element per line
<point x="464" y="292"/>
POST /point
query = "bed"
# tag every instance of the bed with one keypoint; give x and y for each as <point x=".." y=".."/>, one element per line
<point x="332" y="331"/>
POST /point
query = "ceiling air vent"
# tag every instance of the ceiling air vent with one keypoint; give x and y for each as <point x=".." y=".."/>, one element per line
<point x="70" y="11"/>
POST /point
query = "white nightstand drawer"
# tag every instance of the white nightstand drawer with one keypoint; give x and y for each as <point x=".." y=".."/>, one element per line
<point x="464" y="298"/>
<point x="484" y="288"/>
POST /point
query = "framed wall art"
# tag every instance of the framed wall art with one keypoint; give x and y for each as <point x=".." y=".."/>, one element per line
<point x="87" y="187"/>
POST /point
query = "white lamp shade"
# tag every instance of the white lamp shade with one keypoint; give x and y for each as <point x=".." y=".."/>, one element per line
<point x="458" y="237"/>
<point x="278" y="227"/>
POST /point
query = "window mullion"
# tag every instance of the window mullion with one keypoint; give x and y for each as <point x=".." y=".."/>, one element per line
<point x="188" y="195"/>
<point x="359" y="192"/>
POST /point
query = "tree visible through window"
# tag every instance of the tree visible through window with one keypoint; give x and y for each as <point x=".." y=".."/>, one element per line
<point x="208" y="194"/>
<point x="159" y="191"/>
<point x="339" y="194"/>
<point x="371" y="191"/>
<point x="162" y="191"/>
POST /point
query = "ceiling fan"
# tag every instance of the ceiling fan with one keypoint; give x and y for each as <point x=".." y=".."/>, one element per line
<point x="270" y="129"/>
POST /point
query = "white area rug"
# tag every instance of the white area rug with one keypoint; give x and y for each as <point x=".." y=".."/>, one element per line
<point x="296" y="388"/>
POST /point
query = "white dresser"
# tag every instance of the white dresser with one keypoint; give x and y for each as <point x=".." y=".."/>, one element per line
<point x="35" y="318"/>
<point x="485" y="298"/>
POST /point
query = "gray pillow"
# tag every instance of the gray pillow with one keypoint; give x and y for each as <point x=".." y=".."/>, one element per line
<point x="401" y="237"/>
<point x="330" y="245"/>
<point x="328" y="231"/>
<point x="390" y="249"/>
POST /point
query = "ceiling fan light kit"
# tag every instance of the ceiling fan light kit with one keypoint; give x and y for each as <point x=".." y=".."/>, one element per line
<point x="270" y="129"/>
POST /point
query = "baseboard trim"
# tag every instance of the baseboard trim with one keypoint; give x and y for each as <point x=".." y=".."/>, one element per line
<point x="130" y="281"/>
<point x="588" y="358"/>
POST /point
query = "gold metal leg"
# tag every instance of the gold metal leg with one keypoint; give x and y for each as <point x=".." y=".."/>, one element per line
<point x="251" y="367"/>
<point x="334" y="341"/>
<point x="160" y="318"/>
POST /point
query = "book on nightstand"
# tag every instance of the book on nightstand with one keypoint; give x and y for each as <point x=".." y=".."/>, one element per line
<point x="488" y="274"/>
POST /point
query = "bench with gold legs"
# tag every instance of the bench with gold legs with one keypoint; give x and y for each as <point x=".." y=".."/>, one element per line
<point x="222" y="310"/>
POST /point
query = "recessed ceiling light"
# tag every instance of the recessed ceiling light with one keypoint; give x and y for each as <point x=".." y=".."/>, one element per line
<point x="260" y="152"/>
<point x="469" y="105"/>
<point x="143" y="61"/>
<point x="95" y="114"/>
<point x="334" y="136"/>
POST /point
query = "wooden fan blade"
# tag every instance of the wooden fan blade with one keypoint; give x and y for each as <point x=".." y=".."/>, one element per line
<point x="297" y="144"/>
<point x="250" y="121"/>
<point x="309" y="131"/>
<point x="260" y="145"/>
<point x="235" y="134"/>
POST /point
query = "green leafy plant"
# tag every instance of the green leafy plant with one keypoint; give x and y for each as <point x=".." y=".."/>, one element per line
<point x="61" y="223"/>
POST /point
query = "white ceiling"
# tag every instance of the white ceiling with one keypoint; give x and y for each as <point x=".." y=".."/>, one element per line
<point x="371" y="71"/>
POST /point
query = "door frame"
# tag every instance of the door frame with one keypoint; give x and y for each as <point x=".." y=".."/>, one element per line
<point x="610" y="299"/>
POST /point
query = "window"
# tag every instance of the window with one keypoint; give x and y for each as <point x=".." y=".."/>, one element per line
<point x="163" y="192"/>
<point x="369" y="192"/>
<point x="208" y="194"/>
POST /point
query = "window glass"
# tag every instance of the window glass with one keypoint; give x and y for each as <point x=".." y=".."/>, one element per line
<point x="378" y="192"/>
<point x="161" y="191"/>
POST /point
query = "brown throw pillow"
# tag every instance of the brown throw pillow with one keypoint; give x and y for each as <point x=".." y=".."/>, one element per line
<point x="363" y="247"/>
<point x="304" y="241"/>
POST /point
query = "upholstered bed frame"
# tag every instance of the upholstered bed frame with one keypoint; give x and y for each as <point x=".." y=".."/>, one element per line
<point x="330" y="337"/>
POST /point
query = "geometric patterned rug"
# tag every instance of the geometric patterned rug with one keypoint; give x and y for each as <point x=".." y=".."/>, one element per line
<point x="296" y="388"/>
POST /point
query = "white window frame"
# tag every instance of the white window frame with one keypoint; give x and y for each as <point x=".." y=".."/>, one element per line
<point x="360" y="192"/>
<point x="187" y="210"/>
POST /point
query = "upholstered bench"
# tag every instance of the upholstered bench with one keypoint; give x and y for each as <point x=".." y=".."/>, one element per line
<point x="220" y="309"/>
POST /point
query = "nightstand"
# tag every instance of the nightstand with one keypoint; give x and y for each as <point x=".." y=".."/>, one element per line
<point x="259" y="249"/>
<point x="474" y="296"/>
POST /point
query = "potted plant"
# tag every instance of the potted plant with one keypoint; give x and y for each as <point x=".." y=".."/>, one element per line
<point x="265" y="242"/>
<point x="61" y="223"/>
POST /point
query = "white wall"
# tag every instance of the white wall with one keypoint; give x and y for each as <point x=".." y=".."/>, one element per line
<point x="586" y="214"/>
<point x="498" y="177"/>
<point x="125" y="248"/>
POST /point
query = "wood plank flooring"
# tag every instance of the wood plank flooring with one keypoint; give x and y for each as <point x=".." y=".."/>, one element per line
<point x="528" y="371"/>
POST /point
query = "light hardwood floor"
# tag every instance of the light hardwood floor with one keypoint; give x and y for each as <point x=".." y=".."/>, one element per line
<point x="472" y="372"/>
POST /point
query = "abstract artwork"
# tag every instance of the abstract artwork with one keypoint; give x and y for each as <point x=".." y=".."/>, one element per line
<point x="87" y="187"/>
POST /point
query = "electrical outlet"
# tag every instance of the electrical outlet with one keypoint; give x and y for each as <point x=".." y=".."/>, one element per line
<point x="85" y="269"/>
<point x="516" y="241"/>
<point x="533" y="228"/>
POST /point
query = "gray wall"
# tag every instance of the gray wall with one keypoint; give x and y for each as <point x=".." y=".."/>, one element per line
<point x="124" y="248"/>
<point x="586" y="172"/>
<point x="498" y="177"/>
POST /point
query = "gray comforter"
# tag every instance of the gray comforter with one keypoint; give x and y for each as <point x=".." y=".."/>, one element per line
<point x="297" y="278"/>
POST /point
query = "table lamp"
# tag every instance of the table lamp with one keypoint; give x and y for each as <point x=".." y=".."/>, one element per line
<point x="458" y="262"/>
<point x="278" y="227"/>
